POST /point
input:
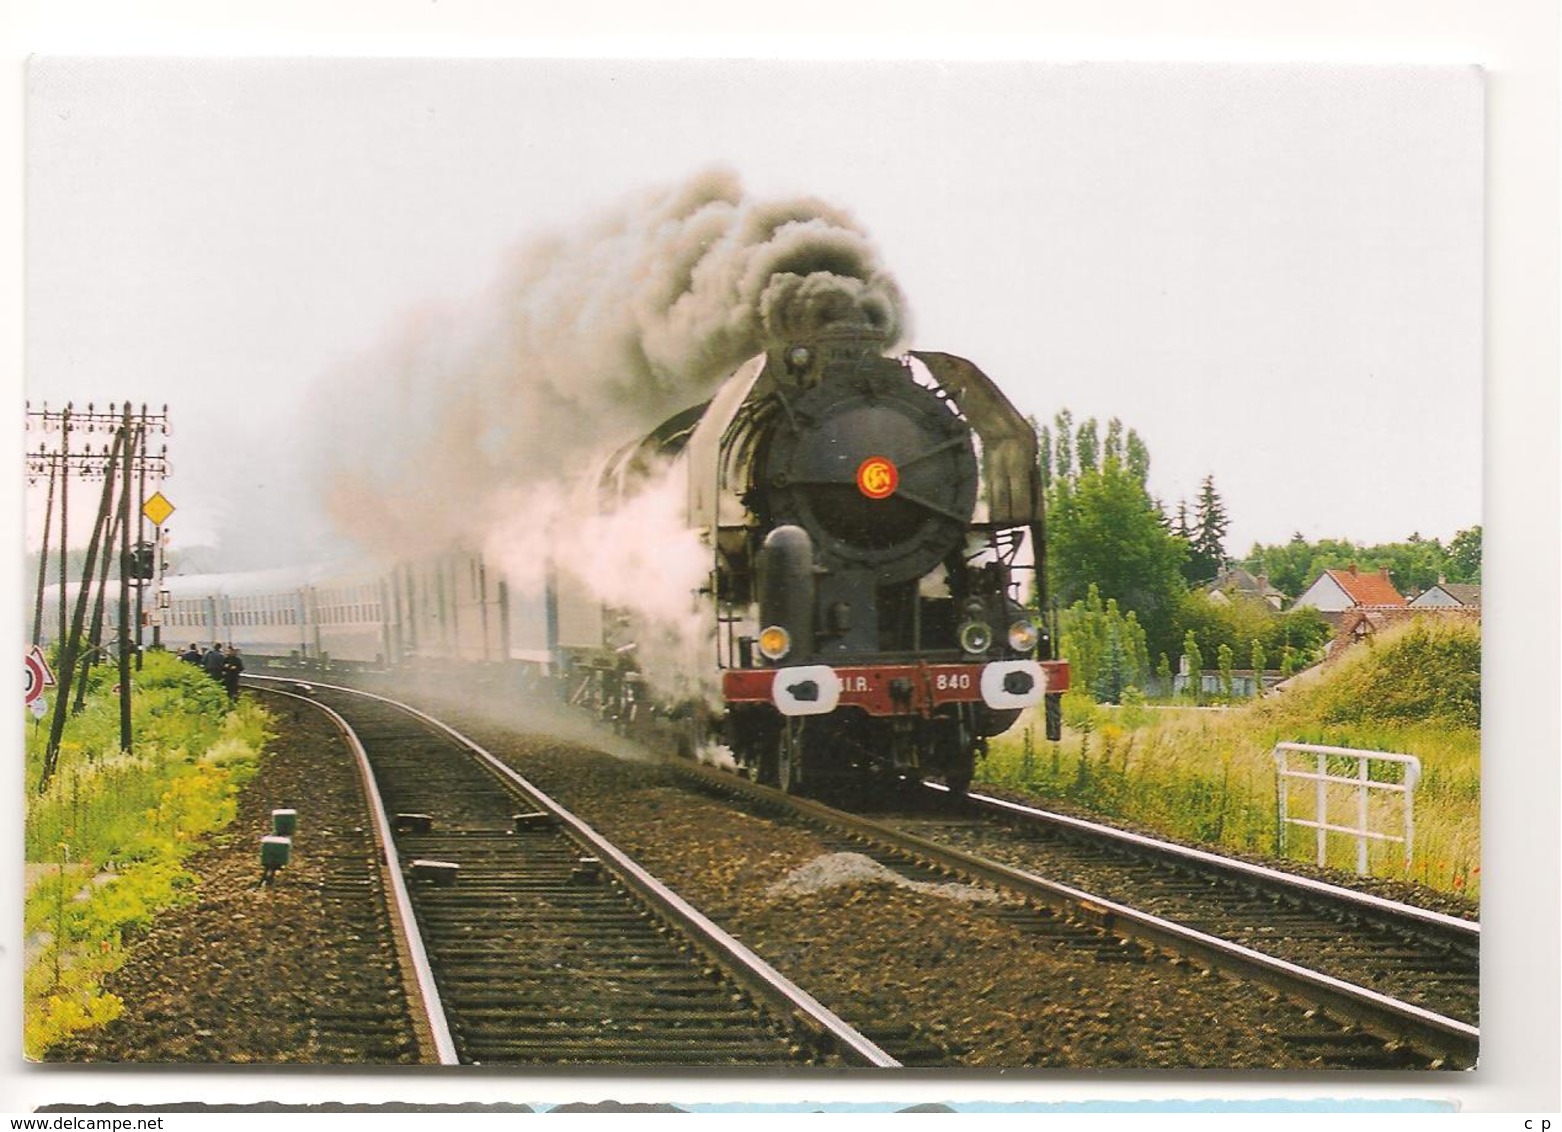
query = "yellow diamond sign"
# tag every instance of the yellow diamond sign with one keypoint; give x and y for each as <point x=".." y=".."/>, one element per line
<point x="157" y="509"/>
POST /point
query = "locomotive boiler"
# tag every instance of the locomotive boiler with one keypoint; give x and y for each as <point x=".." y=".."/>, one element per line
<point x="876" y="544"/>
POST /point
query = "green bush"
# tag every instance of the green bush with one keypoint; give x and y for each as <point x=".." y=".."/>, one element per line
<point x="1424" y="674"/>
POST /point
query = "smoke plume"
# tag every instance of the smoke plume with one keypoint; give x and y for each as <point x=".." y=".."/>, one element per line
<point x="586" y="340"/>
<point x="473" y="427"/>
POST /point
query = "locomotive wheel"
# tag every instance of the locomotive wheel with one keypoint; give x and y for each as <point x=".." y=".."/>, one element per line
<point x="961" y="768"/>
<point x="958" y="781"/>
<point x="789" y="758"/>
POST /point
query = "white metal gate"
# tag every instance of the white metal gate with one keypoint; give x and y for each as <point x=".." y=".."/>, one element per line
<point x="1316" y="771"/>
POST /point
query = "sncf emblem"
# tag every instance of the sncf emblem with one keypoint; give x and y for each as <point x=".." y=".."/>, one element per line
<point x="877" y="477"/>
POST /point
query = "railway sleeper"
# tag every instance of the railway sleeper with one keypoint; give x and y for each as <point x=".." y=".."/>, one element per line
<point x="734" y="1031"/>
<point x="639" y="1053"/>
<point x="517" y="925"/>
<point x="674" y="975"/>
<point x="541" y="1011"/>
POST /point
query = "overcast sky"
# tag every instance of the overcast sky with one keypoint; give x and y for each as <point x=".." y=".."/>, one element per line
<point x="1272" y="273"/>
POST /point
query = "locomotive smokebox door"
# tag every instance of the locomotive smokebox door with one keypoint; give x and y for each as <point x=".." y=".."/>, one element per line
<point x="879" y="470"/>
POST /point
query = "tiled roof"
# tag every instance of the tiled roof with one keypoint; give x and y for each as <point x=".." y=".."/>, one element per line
<point x="1240" y="580"/>
<point x="1367" y="588"/>
<point x="1462" y="592"/>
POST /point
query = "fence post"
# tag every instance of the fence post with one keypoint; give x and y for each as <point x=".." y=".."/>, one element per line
<point x="1282" y="800"/>
<point x="1323" y="808"/>
<point x="1361" y="816"/>
<point x="1362" y="781"/>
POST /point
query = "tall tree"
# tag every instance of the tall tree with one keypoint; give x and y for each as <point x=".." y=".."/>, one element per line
<point x="1206" y="541"/>
<point x="1114" y="440"/>
<point x="1138" y="458"/>
<point x="1104" y="530"/>
<point x="1087" y="446"/>
<point x="1464" y="556"/>
<point x="1063" y="463"/>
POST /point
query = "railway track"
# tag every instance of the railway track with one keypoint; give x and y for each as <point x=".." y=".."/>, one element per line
<point x="1424" y="958"/>
<point x="1379" y="971"/>
<point x="1336" y="1024"/>
<point x="530" y="939"/>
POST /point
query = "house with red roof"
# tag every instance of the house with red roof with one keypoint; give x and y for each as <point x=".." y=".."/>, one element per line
<point x="1336" y="592"/>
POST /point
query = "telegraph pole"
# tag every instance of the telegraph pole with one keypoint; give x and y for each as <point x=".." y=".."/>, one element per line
<point x="69" y="640"/>
<point x="140" y="532"/>
<point x="114" y="464"/>
<point x="65" y="447"/>
<point x="127" y="450"/>
<point x="43" y="550"/>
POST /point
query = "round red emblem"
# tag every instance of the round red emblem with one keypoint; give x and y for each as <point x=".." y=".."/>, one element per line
<point x="877" y="477"/>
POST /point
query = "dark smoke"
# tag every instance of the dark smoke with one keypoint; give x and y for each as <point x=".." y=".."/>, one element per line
<point x="586" y="340"/>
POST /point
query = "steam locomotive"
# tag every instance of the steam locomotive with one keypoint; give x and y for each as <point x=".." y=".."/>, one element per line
<point x="874" y="595"/>
<point x="873" y="523"/>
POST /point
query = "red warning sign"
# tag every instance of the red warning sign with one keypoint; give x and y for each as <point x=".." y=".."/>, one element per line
<point x="37" y="674"/>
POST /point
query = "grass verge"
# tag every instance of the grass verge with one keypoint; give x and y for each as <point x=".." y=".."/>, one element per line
<point x="107" y="839"/>
<point x="1209" y="775"/>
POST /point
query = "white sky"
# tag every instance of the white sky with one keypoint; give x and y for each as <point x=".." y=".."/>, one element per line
<point x="199" y="342"/>
<point x="1273" y="273"/>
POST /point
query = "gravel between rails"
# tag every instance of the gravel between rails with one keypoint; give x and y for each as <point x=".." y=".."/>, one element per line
<point x="987" y="983"/>
<point x="301" y="971"/>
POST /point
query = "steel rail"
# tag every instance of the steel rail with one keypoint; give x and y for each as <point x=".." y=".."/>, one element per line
<point x="753" y="971"/>
<point x="404" y="921"/>
<point x="1442" y="1038"/>
<point x="1460" y="930"/>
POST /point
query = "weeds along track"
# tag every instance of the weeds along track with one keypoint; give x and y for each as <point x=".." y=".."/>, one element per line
<point x="1425" y="958"/>
<point x="545" y="948"/>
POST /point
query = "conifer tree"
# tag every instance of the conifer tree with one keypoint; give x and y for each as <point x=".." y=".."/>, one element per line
<point x="1206" y="540"/>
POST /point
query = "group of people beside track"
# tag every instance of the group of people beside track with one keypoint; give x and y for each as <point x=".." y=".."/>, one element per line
<point x="223" y="667"/>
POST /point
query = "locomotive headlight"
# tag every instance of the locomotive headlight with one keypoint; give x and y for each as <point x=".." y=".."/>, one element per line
<point x="1023" y="635"/>
<point x="774" y="642"/>
<point x="976" y="637"/>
